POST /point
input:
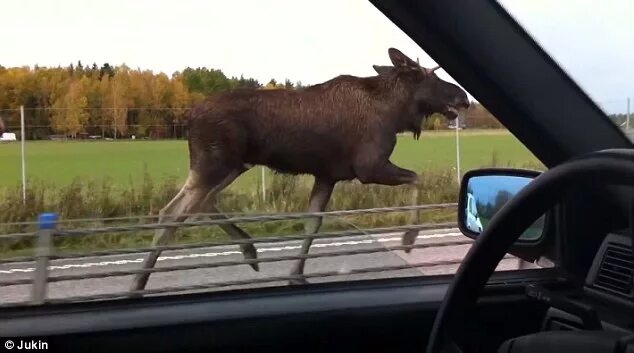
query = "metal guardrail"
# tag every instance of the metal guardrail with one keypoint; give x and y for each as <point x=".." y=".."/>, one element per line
<point x="324" y="235"/>
<point x="233" y="263"/>
<point x="127" y="218"/>
<point x="234" y="220"/>
<point x="48" y="224"/>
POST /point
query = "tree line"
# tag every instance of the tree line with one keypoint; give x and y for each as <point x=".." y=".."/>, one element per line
<point x="111" y="101"/>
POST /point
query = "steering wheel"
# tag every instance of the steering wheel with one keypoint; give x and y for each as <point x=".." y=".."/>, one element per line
<point x="614" y="166"/>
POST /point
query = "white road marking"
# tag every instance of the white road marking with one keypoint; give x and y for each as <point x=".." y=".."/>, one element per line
<point x="227" y="253"/>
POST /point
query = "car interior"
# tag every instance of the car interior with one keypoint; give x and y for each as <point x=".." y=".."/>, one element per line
<point x="582" y="302"/>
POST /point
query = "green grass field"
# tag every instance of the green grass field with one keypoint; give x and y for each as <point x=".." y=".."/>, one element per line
<point x="124" y="161"/>
<point x="74" y="186"/>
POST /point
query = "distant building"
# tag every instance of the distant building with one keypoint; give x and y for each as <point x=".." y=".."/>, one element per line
<point x="7" y="136"/>
<point x="461" y="120"/>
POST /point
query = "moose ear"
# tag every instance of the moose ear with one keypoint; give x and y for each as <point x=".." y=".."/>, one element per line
<point x="382" y="69"/>
<point x="399" y="59"/>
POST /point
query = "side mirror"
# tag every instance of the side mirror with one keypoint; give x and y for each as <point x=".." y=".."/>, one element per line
<point x="483" y="192"/>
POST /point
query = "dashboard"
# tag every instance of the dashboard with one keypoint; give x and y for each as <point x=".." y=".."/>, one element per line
<point x="606" y="298"/>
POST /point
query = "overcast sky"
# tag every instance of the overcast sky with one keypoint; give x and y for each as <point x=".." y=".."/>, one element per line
<point x="311" y="41"/>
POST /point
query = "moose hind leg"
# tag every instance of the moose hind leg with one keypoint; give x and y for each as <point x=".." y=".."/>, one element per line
<point x="319" y="197"/>
<point x="220" y="178"/>
<point x="248" y="249"/>
<point x="221" y="181"/>
<point x="186" y="201"/>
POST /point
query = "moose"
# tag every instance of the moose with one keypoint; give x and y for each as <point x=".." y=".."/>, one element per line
<point x="339" y="130"/>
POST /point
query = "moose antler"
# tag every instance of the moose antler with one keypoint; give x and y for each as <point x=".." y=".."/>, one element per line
<point x="429" y="71"/>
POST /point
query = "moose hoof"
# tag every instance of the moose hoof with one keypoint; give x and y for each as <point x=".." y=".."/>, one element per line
<point x="138" y="284"/>
<point x="135" y="296"/>
<point x="408" y="239"/>
<point x="250" y="253"/>
<point x="135" y="288"/>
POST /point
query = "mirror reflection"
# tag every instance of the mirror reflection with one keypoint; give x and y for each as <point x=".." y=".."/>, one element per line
<point x="487" y="194"/>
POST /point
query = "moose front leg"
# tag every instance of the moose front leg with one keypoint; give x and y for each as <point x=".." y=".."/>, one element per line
<point x="386" y="174"/>
<point x="400" y="176"/>
<point x="390" y="174"/>
<point x="319" y="197"/>
<point x="409" y="237"/>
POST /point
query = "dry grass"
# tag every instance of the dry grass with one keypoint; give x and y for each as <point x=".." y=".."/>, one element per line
<point x="100" y="199"/>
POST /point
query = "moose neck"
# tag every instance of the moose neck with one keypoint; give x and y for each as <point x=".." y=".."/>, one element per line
<point x="401" y="110"/>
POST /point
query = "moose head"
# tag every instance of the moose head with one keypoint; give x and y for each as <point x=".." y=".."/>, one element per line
<point x="428" y="94"/>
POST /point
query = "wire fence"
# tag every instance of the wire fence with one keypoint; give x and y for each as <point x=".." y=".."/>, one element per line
<point x="156" y="122"/>
<point x="101" y="123"/>
<point x="109" y="123"/>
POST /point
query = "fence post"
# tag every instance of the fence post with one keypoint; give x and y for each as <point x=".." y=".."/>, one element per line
<point x="458" y="150"/>
<point x="263" y="179"/>
<point x="23" y="138"/>
<point x="46" y="223"/>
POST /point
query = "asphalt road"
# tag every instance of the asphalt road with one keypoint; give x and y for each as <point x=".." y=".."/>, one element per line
<point x="339" y="264"/>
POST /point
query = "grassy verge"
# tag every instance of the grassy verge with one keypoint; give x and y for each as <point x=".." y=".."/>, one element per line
<point x="101" y="199"/>
<point x="60" y="163"/>
<point x="285" y="194"/>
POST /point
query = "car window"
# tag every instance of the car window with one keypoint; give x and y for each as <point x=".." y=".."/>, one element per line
<point x="591" y="46"/>
<point x="200" y="115"/>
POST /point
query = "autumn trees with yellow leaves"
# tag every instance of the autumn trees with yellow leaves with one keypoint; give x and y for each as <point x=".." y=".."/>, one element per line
<point x="106" y="101"/>
<point x="110" y="101"/>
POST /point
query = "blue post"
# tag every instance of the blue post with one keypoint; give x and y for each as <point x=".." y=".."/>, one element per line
<point x="46" y="224"/>
<point x="47" y="220"/>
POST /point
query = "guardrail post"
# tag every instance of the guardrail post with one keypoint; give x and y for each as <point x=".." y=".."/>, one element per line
<point x="415" y="202"/>
<point x="46" y="223"/>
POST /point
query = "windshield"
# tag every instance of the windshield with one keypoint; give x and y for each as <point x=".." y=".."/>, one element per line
<point x="188" y="138"/>
<point x="592" y="42"/>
